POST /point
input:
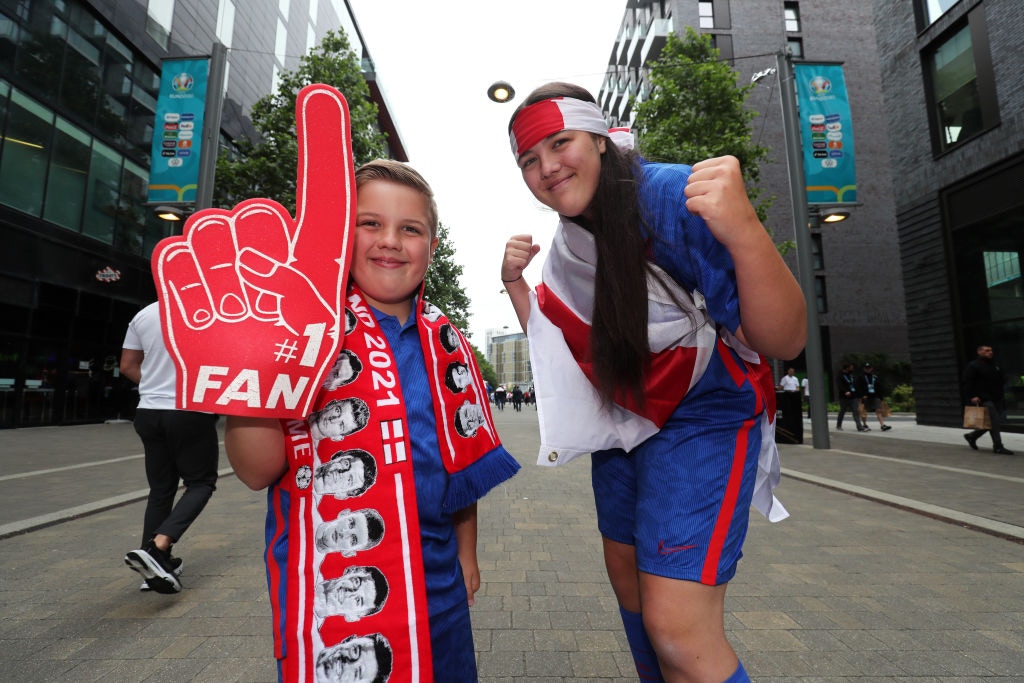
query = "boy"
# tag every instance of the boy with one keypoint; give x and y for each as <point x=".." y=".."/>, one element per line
<point x="404" y="347"/>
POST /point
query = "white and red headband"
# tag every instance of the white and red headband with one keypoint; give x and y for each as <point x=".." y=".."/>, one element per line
<point x="547" y="117"/>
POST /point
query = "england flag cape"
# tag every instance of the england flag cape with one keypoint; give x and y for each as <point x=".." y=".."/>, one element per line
<point x="682" y="337"/>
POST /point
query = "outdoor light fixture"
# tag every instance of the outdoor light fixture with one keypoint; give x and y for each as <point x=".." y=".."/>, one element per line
<point x="500" y="91"/>
<point x="169" y="213"/>
<point x="834" y="215"/>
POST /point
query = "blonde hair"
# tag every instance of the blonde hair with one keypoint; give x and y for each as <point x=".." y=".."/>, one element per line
<point x="401" y="174"/>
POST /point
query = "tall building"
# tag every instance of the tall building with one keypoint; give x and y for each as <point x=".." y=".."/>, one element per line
<point x="954" y="101"/>
<point x="78" y="90"/>
<point x="856" y="262"/>
<point x="509" y="355"/>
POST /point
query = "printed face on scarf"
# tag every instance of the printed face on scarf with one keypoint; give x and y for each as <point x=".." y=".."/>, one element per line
<point x="393" y="245"/>
<point x="344" y="370"/>
<point x="458" y="377"/>
<point x="449" y="339"/>
<point x="339" y="418"/>
<point x="353" y="660"/>
<point x="350" y="532"/>
<point x="354" y="595"/>
<point x="563" y="169"/>
<point x="344" y="475"/>
<point x="468" y="418"/>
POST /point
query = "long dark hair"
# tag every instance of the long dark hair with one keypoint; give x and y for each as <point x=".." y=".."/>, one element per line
<point x="618" y="336"/>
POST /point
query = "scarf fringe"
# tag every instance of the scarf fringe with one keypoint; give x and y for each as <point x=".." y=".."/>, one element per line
<point x="469" y="485"/>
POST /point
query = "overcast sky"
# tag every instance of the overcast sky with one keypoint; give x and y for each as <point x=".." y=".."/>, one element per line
<point x="435" y="61"/>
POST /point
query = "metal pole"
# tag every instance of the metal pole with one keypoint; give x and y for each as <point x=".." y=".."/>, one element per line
<point x="211" y="126"/>
<point x="805" y="264"/>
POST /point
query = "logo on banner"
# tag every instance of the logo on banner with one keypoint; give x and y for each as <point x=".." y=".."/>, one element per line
<point x="182" y="83"/>
<point x="820" y="85"/>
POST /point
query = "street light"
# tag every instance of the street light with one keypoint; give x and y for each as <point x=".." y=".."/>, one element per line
<point x="501" y="91"/>
<point x="170" y="213"/>
<point x="834" y="215"/>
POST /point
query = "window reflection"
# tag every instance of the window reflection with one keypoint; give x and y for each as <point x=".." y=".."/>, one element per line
<point x="955" y="86"/>
<point x="936" y="8"/>
<point x="24" y="154"/>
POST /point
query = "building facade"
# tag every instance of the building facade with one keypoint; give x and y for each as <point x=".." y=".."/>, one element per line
<point x="857" y="268"/>
<point x="78" y="89"/>
<point x="954" y="100"/>
<point x="509" y="355"/>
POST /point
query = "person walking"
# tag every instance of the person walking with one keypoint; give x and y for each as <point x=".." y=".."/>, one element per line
<point x="871" y="391"/>
<point x="849" y="399"/>
<point x="178" y="444"/>
<point x="983" y="386"/>
<point x="517" y="399"/>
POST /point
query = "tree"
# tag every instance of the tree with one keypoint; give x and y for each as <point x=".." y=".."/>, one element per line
<point x="266" y="167"/>
<point x="442" y="282"/>
<point x="697" y="111"/>
<point x="486" y="369"/>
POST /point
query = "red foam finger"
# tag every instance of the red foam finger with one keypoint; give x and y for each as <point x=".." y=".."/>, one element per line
<point x="325" y="188"/>
<point x="211" y="238"/>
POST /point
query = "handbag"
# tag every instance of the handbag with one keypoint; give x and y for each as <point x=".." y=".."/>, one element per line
<point x="976" y="417"/>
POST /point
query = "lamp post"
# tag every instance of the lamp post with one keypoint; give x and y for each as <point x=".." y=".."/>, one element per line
<point x="805" y="265"/>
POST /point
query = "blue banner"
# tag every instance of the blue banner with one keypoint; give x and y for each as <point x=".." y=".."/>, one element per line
<point x="178" y="131"/>
<point x="826" y="133"/>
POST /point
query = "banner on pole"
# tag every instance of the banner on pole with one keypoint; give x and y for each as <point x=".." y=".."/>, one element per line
<point x="178" y="131"/>
<point x="826" y="133"/>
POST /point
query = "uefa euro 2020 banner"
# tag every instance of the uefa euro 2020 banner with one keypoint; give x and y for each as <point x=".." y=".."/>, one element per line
<point x="178" y="131"/>
<point x="826" y="131"/>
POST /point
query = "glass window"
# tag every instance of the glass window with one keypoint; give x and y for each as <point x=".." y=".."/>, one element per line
<point x="159" y="15"/>
<point x="69" y="168"/>
<point x="791" y="10"/>
<point x="816" y="252"/>
<point x="281" y="43"/>
<point x="706" y="14"/>
<point x="796" y="47"/>
<point x="41" y="54"/>
<point x="23" y="158"/>
<point x="131" y="215"/>
<point x="102" y="193"/>
<point x="821" y="294"/>
<point x="9" y="33"/>
<point x="80" y="78"/>
<point x="955" y="89"/>
<point x="936" y="8"/>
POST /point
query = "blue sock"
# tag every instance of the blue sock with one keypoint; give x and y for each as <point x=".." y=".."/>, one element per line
<point x="640" y="645"/>
<point x="738" y="676"/>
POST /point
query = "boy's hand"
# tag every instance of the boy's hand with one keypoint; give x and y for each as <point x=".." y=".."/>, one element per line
<point x="251" y="299"/>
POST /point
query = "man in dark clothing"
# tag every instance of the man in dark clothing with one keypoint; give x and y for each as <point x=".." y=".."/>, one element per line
<point x="849" y="399"/>
<point x="983" y="385"/>
<point x="871" y="391"/>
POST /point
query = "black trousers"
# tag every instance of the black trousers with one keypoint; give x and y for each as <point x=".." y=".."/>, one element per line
<point x="851" y="404"/>
<point x="179" y="445"/>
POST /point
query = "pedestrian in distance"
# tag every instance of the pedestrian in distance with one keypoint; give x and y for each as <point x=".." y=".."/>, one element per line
<point x="984" y="383"/>
<point x="500" y="396"/>
<point x="364" y="512"/>
<point x="180" y="446"/>
<point x="849" y="398"/>
<point x="789" y="381"/>
<point x="872" y="395"/>
<point x="650" y="248"/>
<point x="517" y="399"/>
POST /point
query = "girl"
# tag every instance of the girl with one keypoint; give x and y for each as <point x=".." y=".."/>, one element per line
<point x="661" y="288"/>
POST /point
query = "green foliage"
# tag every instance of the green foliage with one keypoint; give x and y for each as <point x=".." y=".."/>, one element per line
<point x="266" y="167"/>
<point x="442" y="282"/>
<point x="902" y="399"/>
<point x="486" y="369"/>
<point x="696" y="111"/>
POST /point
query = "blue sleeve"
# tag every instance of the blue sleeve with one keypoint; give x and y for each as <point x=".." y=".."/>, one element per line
<point x="682" y="245"/>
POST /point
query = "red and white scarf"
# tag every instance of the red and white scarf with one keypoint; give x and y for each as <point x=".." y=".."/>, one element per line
<point x="323" y="513"/>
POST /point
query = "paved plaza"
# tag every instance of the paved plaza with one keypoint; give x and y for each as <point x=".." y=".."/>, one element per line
<point x="903" y="560"/>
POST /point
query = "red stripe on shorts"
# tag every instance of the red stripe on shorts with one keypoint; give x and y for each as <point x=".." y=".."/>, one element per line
<point x="727" y="510"/>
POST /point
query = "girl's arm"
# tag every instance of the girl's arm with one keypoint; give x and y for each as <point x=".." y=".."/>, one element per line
<point x="773" y="315"/>
<point x="519" y="251"/>
<point x="465" y="536"/>
<point x="255" y="449"/>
